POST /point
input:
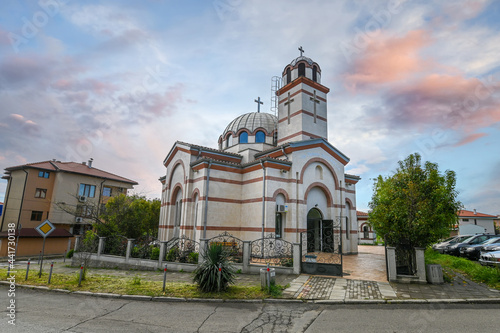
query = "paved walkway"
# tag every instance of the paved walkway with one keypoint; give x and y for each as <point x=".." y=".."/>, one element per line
<point x="368" y="264"/>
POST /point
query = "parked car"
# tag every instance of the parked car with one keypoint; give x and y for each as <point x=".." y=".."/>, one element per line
<point x="449" y="241"/>
<point x="490" y="259"/>
<point x="491" y="247"/>
<point x="454" y="249"/>
<point x="474" y="251"/>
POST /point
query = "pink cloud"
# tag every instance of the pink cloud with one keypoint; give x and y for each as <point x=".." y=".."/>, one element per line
<point x="450" y="102"/>
<point x="470" y="138"/>
<point x="387" y="60"/>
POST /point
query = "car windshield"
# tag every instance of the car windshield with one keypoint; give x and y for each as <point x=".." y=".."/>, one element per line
<point x="448" y="239"/>
<point x="461" y="239"/>
<point x="467" y="239"/>
<point x="492" y="240"/>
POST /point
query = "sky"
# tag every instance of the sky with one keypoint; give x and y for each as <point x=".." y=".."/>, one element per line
<point x="121" y="81"/>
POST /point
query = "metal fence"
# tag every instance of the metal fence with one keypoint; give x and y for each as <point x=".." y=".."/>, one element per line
<point x="232" y="245"/>
<point x="183" y="250"/>
<point x="271" y="250"/>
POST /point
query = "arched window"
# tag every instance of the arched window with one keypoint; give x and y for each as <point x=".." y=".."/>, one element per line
<point x="319" y="172"/>
<point x="228" y="141"/>
<point x="302" y="69"/>
<point x="366" y="232"/>
<point x="260" y="137"/>
<point x="243" y="137"/>
<point x="315" y="73"/>
<point x="288" y="75"/>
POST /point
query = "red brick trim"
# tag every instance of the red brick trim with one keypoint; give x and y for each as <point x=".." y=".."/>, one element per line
<point x="326" y="191"/>
<point x="299" y="133"/>
<point x="300" y="112"/>
<point x="325" y="163"/>
<point x="179" y="161"/>
<point x="304" y="80"/>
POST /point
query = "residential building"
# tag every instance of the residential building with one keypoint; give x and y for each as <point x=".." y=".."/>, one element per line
<point x="471" y="221"/>
<point x="68" y="194"/>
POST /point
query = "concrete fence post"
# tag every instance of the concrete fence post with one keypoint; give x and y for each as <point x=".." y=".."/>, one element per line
<point x="297" y="256"/>
<point x="391" y="263"/>
<point x="129" y="248"/>
<point x="246" y="256"/>
<point x="100" y="247"/>
<point x="69" y="245"/>
<point x="202" y="250"/>
<point x="161" y="257"/>
<point x="420" y="259"/>
<point x="77" y="242"/>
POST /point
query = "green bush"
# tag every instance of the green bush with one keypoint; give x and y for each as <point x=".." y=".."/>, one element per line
<point x="70" y="253"/>
<point x="206" y="274"/>
<point x="155" y="252"/>
<point x="193" y="258"/>
<point x="286" y="262"/>
<point x="172" y="254"/>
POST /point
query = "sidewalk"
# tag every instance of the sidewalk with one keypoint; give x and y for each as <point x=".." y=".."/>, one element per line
<point x="322" y="288"/>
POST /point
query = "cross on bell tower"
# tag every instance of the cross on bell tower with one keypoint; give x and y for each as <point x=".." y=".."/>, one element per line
<point x="301" y="50"/>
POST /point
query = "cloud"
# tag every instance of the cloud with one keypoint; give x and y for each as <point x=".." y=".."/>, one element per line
<point x="388" y="60"/>
<point x="470" y="138"/>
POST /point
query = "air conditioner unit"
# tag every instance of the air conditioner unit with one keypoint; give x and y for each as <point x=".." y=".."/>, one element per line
<point x="82" y="198"/>
<point x="281" y="208"/>
<point x="79" y="219"/>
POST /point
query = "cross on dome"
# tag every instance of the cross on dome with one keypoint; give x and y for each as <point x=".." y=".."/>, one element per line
<point x="301" y="50"/>
<point x="258" y="103"/>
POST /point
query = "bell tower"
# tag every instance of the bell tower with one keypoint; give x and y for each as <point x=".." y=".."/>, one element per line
<point x="302" y="113"/>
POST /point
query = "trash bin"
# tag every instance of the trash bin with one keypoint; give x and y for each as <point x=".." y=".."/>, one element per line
<point x="435" y="274"/>
<point x="263" y="277"/>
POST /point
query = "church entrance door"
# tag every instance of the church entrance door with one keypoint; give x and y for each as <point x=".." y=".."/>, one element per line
<point x="321" y="245"/>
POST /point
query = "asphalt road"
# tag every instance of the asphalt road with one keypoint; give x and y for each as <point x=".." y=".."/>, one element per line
<point x="44" y="311"/>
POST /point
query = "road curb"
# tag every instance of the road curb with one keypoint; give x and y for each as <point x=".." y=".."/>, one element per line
<point x="495" y="300"/>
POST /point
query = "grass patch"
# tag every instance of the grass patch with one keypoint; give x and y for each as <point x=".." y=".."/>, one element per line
<point x="474" y="270"/>
<point x="99" y="283"/>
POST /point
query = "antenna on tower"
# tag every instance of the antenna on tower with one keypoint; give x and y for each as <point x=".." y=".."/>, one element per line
<point x="275" y="87"/>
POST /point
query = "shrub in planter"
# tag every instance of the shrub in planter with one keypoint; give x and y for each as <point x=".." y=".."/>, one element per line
<point x="155" y="252"/>
<point x="206" y="274"/>
<point x="193" y="258"/>
<point x="172" y="254"/>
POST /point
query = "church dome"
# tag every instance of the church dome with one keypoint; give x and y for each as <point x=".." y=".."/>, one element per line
<point x="252" y="121"/>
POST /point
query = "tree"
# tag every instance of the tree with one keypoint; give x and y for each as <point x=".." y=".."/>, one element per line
<point x="130" y="216"/>
<point x="416" y="206"/>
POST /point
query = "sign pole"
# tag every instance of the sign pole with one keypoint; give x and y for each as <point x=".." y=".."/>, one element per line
<point x="41" y="261"/>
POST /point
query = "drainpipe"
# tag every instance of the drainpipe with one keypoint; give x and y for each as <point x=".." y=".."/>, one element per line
<point x="283" y="151"/>
<point x="341" y="220"/>
<point x="206" y="201"/>
<point x="263" y="198"/>
<point x="297" y="234"/>
<point x="6" y="201"/>
<point x="22" y="198"/>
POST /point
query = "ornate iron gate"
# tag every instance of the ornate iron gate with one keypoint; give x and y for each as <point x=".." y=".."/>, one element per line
<point x="321" y="248"/>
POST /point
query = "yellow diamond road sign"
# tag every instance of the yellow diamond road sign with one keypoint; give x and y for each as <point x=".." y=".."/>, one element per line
<point x="45" y="228"/>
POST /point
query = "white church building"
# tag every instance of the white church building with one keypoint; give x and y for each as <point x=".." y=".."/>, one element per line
<point x="270" y="175"/>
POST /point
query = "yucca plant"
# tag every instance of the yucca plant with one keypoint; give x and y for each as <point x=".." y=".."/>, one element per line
<point x="206" y="274"/>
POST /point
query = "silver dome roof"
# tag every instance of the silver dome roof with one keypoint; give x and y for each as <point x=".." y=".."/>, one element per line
<point x="296" y="60"/>
<point x="251" y="121"/>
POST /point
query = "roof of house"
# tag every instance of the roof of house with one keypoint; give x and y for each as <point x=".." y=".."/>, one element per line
<point x="72" y="167"/>
<point x="360" y="213"/>
<point x="470" y="213"/>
